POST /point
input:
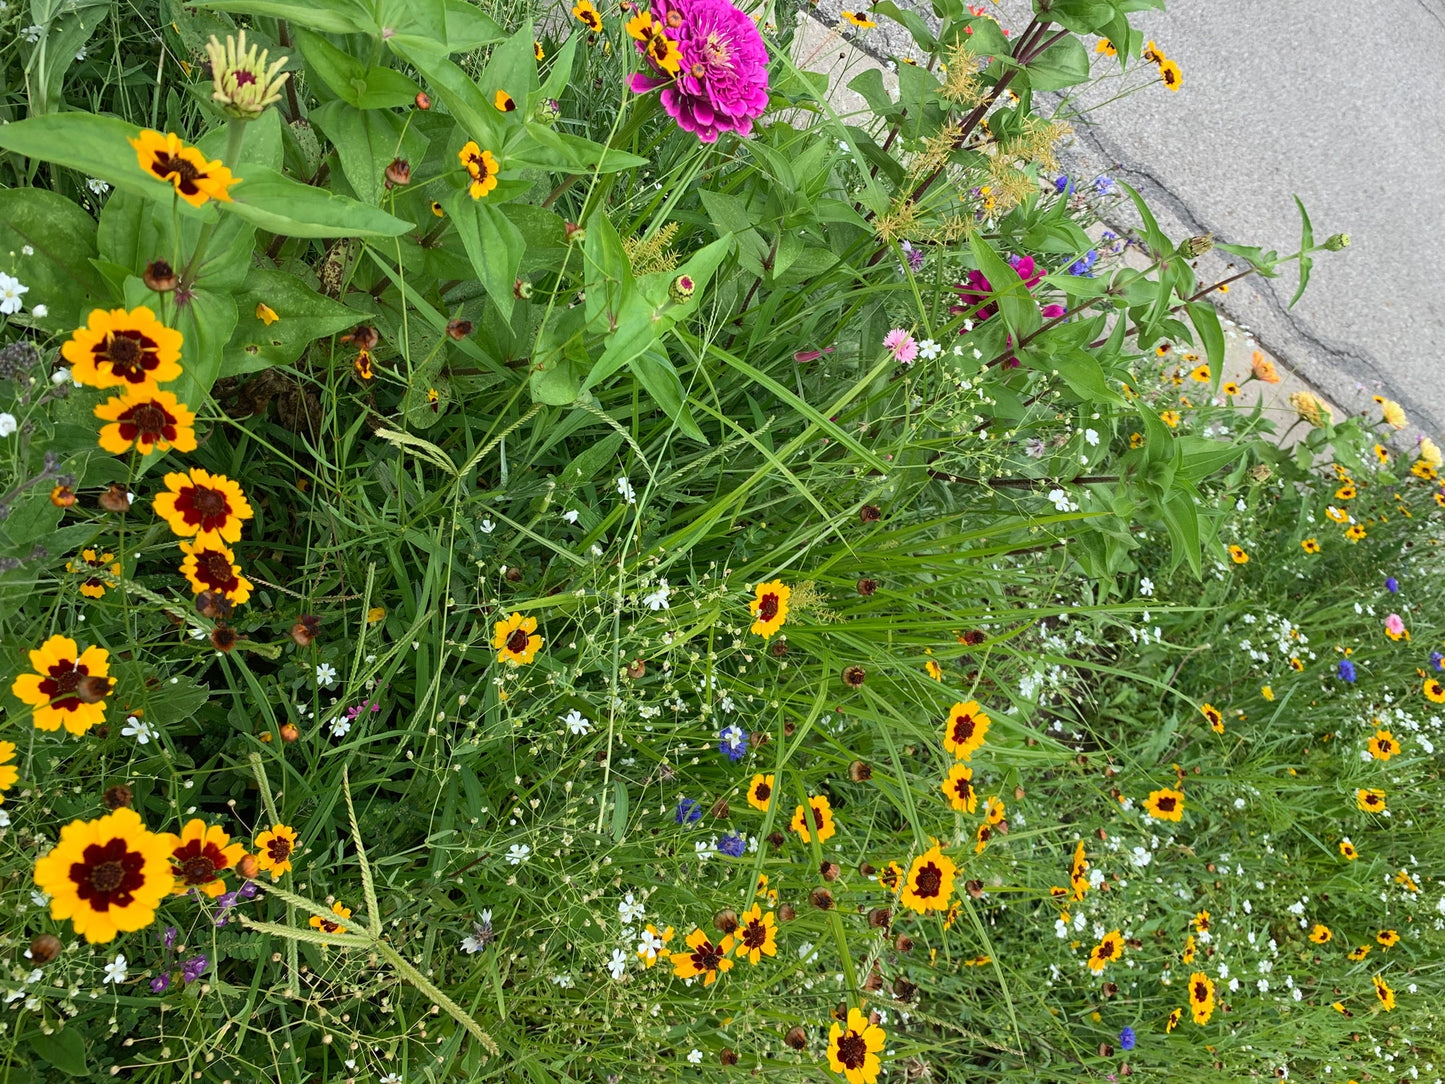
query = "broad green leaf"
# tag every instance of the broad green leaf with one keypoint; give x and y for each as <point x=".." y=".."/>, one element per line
<point x="982" y="36"/>
<point x="655" y="372"/>
<point x="303" y="316"/>
<point x="422" y="23"/>
<point x="65" y="33"/>
<point x="478" y="117"/>
<point x="1081" y="371"/>
<point x="97" y="147"/>
<point x="869" y="84"/>
<point x="58" y="272"/>
<point x="1080" y="16"/>
<point x="908" y="19"/>
<point x="1159" y="246"/>
<point x="1202" y="456"/>
<point x="1015" y="304"/>
<point x="1181" y="518"/>
<point x="512" y="68"/>
<point x="64" y="1049"/>
<point x="493" y="245"/>
<point x="608" y="273"/>
<point x="1306" y="242"/>
<point x="1062" y="64"/>
<point x="366" y="140"/>
<point x="329" y="16"/>
<point x="1205" y="319"/>
<point x="280" y="205"/>
<point x="468" y="28"/>
<point x="560" y="75"/>
<point x="351" y="80"/>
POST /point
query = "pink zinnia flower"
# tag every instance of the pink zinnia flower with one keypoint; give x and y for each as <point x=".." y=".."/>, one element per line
<point x="975" y="292"/>
<point x="721" y="83"/>
<point x="902" y="344"/>
<point x="1394" y="625"/>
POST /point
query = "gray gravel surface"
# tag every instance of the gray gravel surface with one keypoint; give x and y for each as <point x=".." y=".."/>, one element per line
<point x="1335" y="101"/>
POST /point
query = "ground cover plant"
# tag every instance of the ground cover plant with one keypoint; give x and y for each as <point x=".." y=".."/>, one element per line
<point x="546" y="553"/>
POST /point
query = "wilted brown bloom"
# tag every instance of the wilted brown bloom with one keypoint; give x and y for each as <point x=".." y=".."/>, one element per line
<point x="305" y="630"/>
<point x="830" y="871"/>
<point x="116" y="499"/>
<point x="726" y="920"/>
<point x="636" y="668"/>
<point x="93" y="689"/>
<point x="117" y="797"/>
<point x="214" y="605"/>
<point x="880" y="918"/>
<point x="786" y="912"/>
<point x="867" y="587"/>
<point x="821" y="898"/>
<point x="853" y="676"/>
<point x="459" y="329"/>
<point x="160" y="277"/>
<point x="398" y="172"/>
<point x="247" y="867"/>
<point x="796" y="1037"/>
<point x="860" y="772"/>
<point x="44" y="949"/>
<point x="903" y="943"/>
<point x="870" y="513"/>
<point x="223" y="638"/>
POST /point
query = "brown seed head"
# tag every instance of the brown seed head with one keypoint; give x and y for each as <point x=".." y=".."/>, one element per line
<point x="830" y="871"/>
<point x="726" y="920"/>
<point x="44" y="949"/>
<point x="796" y="1037"/>
<point x="904" y="990"/>
<point x="779" y="648"/>
<point x="870" y="513"/>
<point x="116" y="499"/>
<point x="974" y="637"/>
<point x="1125" y="1069"/>
<point x="513" y="575"/>
<point x="289" y="732"/>
<point x="867" y="587"/>
<point x="973" y="888"/>
<point x="223" y="638"/>
<point x="728" y="1056"/>
<point x="93" y="689"/>
<point x="821" y="898"/>
<point x="636" y="668"/>
<point x="786" y="912"/>
<point x="880" y="918"/>
<point x="866" y="869"/>
<point x="854" y="676"/>
<point x="160" y="277"/>
<point x="117" y="797"/>
<point x="214" y="605"/>
<point x="860" y="772"/>
<point x="247" y="867"/>
<point x="459" y="329"/>
<point x="399" y="172"/>
<point x="1110" y="989"/>
<point x="874" y="981"/>
<point x="903" y="943"/>
<point x="776" y="839"/>
<point x="720" y="809"/>
<point x="1105" y="1050"/>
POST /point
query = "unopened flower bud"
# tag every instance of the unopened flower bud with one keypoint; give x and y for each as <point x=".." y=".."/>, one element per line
<point x="867" y="587"/>
<point x="399" y="172"/>
<point x="573" y="234"/>
<point x="860" y="772"/>
<point x="1336" y="241"/>
<point x="242" y="82"/>
<point x="726" y="920"/>
<point x="289" y="732"/>
<point x="720" y="809"/>
<point x="423" y="101"/>
<point x="779" y="648"/>
<point x="44" y="948"/>
<point x="522" y="290"/>
<point x="116" y="499"/>
<point x="247" y="867"/>
<point x="1194" y="247"/>
<point x="549" y="110"/>
<point x="681" y="289"/>
<point x="830" y="871"/>
<point x="223" y="638"/>
<point x="92" y="689"/>
<point x="117" y="797"/>
<point x="305" y="630"/>
<point x="1261" y="472"/>
<point x="160" y="277"/>
<point x="796" y="1037"/>
<point x="786" y="912"/>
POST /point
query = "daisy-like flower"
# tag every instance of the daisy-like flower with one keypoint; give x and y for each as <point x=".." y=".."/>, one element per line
<point x="481" y="166"/>
<point x="958" y="788"/>
<point x="199" y="855"/>
<point x="1079" y="872"/>
<point x="1358" y="953"/>
<point x="1383" y="745"/>
<point x="630" y="910"/>
<point x="1311" y="545"/>
<point x="95" y="587"/>
<point x="964" y="733"/>
<point x="617" y="966"/>
<point x="1238" y="556"/>
<point x="770" y="607"/>
<point x="1106" y="951"/>
<point x="577" y="723"/>
<point x="1171" y="77"/>
<point x="148" y="420"/>
<point x="9" y="773"/>
<point x="929" y="883"/>
<point x="1384" y="993"/>
<point x="1175" y="1015"/>
<point x="703" y="958"/>
<point x="326" y="925"/>
<point x="853" y="1048"/>
<point x="1201" y="922"/>
<point x="11" y="292"/>
<point x="1434" y="691"/>
<point x="166" y="158"/>
<point x="1216" y="720"/>
<point x="136" y="728"/>
<point x="106" y="876"/>
<point x="1229" y="388"/>
<point x="274" y="850"/>
<point x="1200" y="374"/>
<point x="1392" y="412"/>
<point x="518" y="853"/>
<point x="1388" y="938"/>
<point x="1321" y="934"/>
<point x="652" y="944"/>
<point x="117" y="348"/>
<point x="721" y="79"/>
<point x="757" y="934"/>
<point x="516" y="640"/>
<point x="821" y="818"/>
<point x="760" y="792"/>
<point x="1201" y="997"/>
<point x="1355" y="532"/>
<point x="241" y="80"/>
<point x="588" y="16"/>
<point x="1348" y="850"/>
<point x="61" y="689"/>
<point x="211" y="566"/>
<point x="901" y="345"/>
<point x="1370" y="799"/>
<point x="862" y="22"/>
<point x="1165" y="804"/>
<point x="933" y="670"/>
<point x="1170" y="418"/>
<point x="199" y="502"/>
<point x="1190" y="949"/>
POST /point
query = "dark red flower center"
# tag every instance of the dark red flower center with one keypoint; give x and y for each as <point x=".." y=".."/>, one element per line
<point x="150" y="421"/>
<point x="203" y="507"/>
<point x="130" y="354"/>
<point x="60" y="686"/>
<point x="852" y="1050"/>
<point x="196" y="862"/>
<point x="1200" y="992"/>
<point x="962" y="729"/>
<point x="817" y="818"/>
<point x="329" y="926"/>
<point x="184" y="172"/>
<point x="1105" y="951"/>
<point x="108" y="874"/>
<point x="755" y="934"/>
<point x="707" y="957"/>
<point x="964" y="789"/>
<point x="1166" y="805"/>
<point x="279" y="849"/>
<point x="243" y="78"/>
<point x="762" y="792"/>
<point x="768" y="607"/>
<point x="928" y="882"/>
<point x="517" y="642"/>
<point x="215" y="571"/>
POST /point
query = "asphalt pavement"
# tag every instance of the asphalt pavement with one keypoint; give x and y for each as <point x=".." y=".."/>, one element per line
<point x="1335" y="101"/>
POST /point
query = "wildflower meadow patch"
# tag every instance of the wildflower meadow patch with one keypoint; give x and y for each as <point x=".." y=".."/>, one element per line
<point x="543" y="552"/>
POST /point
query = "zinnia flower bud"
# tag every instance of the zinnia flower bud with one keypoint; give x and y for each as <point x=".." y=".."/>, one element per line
<point x="242" y="82"/>
<point x="573" y="234"/>
<point x="247" y="867"/>
<point x="522" y="290"/>
<point x="1311" y="409"/>
<point x="423" y="101"/>
<point x="1194" y="247"/>
<point x="549" y="110"/>
<point x="289" y="732"/>
<point x="680" y="290"/>
<point x="1336" y="241"/>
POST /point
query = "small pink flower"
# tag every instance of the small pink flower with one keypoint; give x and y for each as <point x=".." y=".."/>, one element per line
<point x="902" y="344"/>
<point x="1394" y="625"/>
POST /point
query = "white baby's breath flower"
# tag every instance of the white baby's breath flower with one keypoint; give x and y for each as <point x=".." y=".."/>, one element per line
<point x="115" y="970"/>
<point x="518" y="853"/>
<point x="624" y="488"/>
<point x="140" y="731"/>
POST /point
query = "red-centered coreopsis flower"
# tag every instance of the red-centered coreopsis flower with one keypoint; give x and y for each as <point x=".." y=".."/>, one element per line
<point x="721" y="81"/>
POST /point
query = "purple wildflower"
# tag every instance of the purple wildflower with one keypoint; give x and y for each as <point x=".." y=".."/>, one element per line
<point x="1437" y="660"/>
<point x="913" y="255"/>
<point x="194" y="968"/>
<point x="732" y="845"/>
<point x="168" y="937"/>
<point x="1347" y="670"/>
<point x="1063" y="186"/>
<point x="687" y="811"/>
<point x="1392" y="585"/>
<point x="161" y="983"/>
<point x="733" y="740"/>
<point x="1104" y="186"/>
<point x="721" y="80"/>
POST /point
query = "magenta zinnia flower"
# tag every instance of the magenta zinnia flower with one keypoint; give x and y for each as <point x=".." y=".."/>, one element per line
<point x="976" y="304"/>
<point x="721" y="80"/>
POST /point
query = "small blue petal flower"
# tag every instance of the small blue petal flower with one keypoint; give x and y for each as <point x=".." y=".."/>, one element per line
<point x="732" y="845"/>
<point x="1103" y="186"/>
<point x="1392" y="585"/>
<point x="733" y="740"/>
<point x="687" y="811"/>
<point x="1347" y="670"/>
<point x="1437" y="660"/>
<point x="1126" y="1039"/>
<point x="1063" y="186"/>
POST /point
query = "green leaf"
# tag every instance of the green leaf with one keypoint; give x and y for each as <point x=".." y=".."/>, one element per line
<point x="1205" y="319"/>
<point x="512" y="67"/>
<point x="1181" y="518"/>
<point x="982" y="36"/>
<point x="477" y="116"/>
<point x="1062" y="64"/>
<point x="1080" y="16"/>
<point x="655" y="372"/>
<point x="330" y="16"/>
<point x="98" y="147"/>
<point x="917" y="28"/>
<point x="869" y="84"/>
<point x="417" y="22"/>
<point x="1081" y="371"/>
<point x="1263" y="262"/>
<point x="352" y="81"/>
<point x="64" y="1049"/>
<point x="1159" y="246"/>
<point x="493" y="245"/>
<point x="619" y="811"/>
<point x="58" y="272"/>
<point x="303" y="317"/>
<point x="1202" y="456"/>
<point x="65" y="34"/>
<point x="468" y="28"/>
<point x="280" y="205"/>
<point x="366" y="140"/>
<point x="1306" y="242"/>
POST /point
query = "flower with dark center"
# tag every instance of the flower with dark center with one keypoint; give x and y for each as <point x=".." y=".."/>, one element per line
<point x="853" y="676"/>
<point x="166" y="158"/>
<point x="853" y="1048"/>
<point x="52" y="690"/>
<point x="107" y="876"/>
<point x="198" y="502"/>
<point x="117" y="348"/>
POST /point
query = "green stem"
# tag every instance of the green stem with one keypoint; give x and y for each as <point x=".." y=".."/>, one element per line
<point x="235" y="132"/>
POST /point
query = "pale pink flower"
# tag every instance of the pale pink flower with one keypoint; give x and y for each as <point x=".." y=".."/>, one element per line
<point x="901" y="344"/>
<point x="1394" y="625"/>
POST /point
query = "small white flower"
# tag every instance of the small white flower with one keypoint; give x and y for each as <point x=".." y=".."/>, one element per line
<point x="40" y="312"/>
<point x="705" y="849"/>
<point x="64" y="376"/>
<point x="1092" y="437"/>
<point x="1061" y="501"/>
<point x="518" y="853"/>
<point x="8" y="424"/>
<point x="630" y="910"/>
<point x="1146" y="586"/>
<point x="563" y="980"/>
<point x="488" y="526"/>
<point x="40" y="899"/>
<point x="340" y="726"/>
<point x="577" y="722"/>
<point x="624" y="488"/>
<point x="78" y="58"/>
<point x="25" y="250"/>
<point x="140" y="731"/>
<point x="696" y="1056"/>
<point x="97" y="186"/>
<point x="733" y="736"/>
<point x="10" y="293"/>
<point x="32" y="33"/>
<point x="618" y="964"/>
<point x="571" y="517"/>
<point x="658" y="599"/>
<point x="649" y="945"/>
<point x="472" y="944"/>
<point x="115" y="970"/>
<point x="928" y="349"/>
<point x="727" y="704"/>
<point x="4" y="819"/>
<point x="325" y="674"/>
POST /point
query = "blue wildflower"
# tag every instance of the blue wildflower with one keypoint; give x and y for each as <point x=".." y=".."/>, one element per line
<point x="733" y="740"/>
<point x="687" y="811"/>
<point x="1126" y="1039"/>
<point x="1436" y="659"/>
<point x="1103" y="186"/>
<point x="732" y="845"/>
<point x="1347" y="670"/>
<point x="1083" y="267"/>
<point x="1392" y="585"/>
<point x="1063" y="186"/>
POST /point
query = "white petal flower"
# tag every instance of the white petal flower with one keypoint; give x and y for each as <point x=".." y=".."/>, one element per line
<point x="658" y="599"/>
<point x="630" y="910"/>
<point x="325" y="674"/>
<point x="696" y="1056"/>
<point x="115" y="970"/>
<point x="40" y="312"/>
<point x="8" y="424"/>
<point x="618" y="964"/>
<point x="624" y="488"/>
<point x="571" y="517"/>
<point x="577" y="723"/>
<point x="140" y="731"/>
<point x="518" y="853"/>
